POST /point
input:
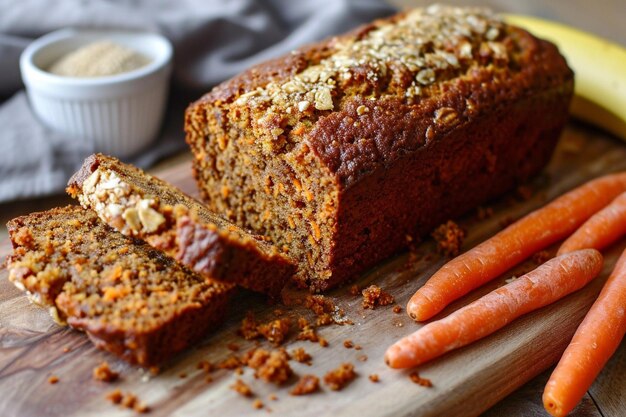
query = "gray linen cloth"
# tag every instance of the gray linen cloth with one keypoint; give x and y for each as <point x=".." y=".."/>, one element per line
<point x="213" y="40"/>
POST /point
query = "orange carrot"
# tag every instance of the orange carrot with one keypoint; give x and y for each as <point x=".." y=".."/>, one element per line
<point x="594" y="342"/>
<point x="602" y="229"/>
<point x="546" y="284"/>
<point x="534" y="232"/>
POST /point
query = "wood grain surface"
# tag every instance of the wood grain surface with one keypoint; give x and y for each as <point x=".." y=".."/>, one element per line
<point x="466" y="382"/>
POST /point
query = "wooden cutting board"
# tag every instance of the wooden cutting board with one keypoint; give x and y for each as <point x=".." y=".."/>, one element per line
<point x="466" y="382"/>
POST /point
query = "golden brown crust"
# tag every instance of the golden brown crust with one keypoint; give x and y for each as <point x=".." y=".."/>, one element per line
<point x="370" y="128"/>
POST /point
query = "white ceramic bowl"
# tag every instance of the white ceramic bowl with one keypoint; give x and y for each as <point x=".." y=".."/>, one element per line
<point x="119" y="114"/>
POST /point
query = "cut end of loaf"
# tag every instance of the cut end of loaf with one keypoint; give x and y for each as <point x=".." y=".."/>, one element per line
<point x="129" y="298"/>
<point x="142" y="206"/>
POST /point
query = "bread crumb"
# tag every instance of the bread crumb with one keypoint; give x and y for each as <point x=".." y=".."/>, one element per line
<point x="362" y="358"/>
<point x="257" y="404"/>
<point x="338" y="378"/>
<point x="242" y="388"/>
<point x="301" y="355"/>
<point x="323" y="307"/>
<point x="182" y="375"/>
<point x="103" y="373"/>
<point x="231" y="362"/>
<point x="358" y="347"/>
<point x="115" y="396"/>
<point x="397" y="309"/>
<point x="308" y="384"/>
<point x="355" y="290"/>
<point x="449" y="237"/>
<point x="141" y="408"/>
<point x="348" y="344"/>
<point x="374" y="296"/>
<point x="233" y="347"/>
<point x="416" y="378"/>
<point x="374" y="378"/>
<point x="245" y="358"/>
<point x="273" y="397"/>
<point x="205" y="365"/>
<point x="271" y="366"/>
<point x="323" y="342"/>
<point x="275" y="331"/>
<point x="127" y="400"/>
<point x="53" y="379"/>
<point x="307" y="331"/>
<point x="248" y="329"/>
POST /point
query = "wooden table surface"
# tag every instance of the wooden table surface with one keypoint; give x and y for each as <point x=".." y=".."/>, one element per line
<point x="607" y="397"/>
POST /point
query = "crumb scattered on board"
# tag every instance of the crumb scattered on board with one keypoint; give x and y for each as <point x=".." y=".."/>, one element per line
<point x="416" y="378"/>
<point x="307" y="384"/>
<point x="449" y="237"/>
<point x="307" y="331"/>
<point x="374" y="296"/>
<point x="242" y="388"/>
<point x="271" y="366"/>
<point x="127" y="400"/>
<point x="355" y="290"/>
<point x="275" y="331"/>
<point x="104" y="373"/>
<point x="301" y="355"/>
<point x="338" y="378"/>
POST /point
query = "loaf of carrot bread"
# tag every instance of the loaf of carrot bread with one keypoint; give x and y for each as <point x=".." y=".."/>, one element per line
<point x="342" y="149"/>
<point x="129" y="298"/>
<point x="140" y="205"/>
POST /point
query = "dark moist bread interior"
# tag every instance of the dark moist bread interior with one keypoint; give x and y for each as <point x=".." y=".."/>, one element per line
<point x="341" y="149"/>
<point x="141" y="205"/>
<point x="130" y="299"/>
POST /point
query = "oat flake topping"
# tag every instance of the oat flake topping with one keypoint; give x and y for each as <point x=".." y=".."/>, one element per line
<point x="426" y="42"/>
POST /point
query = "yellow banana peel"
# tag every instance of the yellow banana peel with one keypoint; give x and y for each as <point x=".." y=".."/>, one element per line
<point x="600" y="72"/>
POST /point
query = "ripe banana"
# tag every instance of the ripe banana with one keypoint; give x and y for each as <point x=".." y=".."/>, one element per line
<point x="599" y="67"/>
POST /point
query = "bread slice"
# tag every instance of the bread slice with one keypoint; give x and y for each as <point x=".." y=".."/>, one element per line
<point x="129" y="298"/>
<point x="140" y="205"/>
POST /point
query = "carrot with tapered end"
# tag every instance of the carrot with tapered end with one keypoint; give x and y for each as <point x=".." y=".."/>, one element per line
<point x="594" y="342"/>
<point x="546" y="284"/>
<point x="602" y="229"/>
<point x="534" y="232"/>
